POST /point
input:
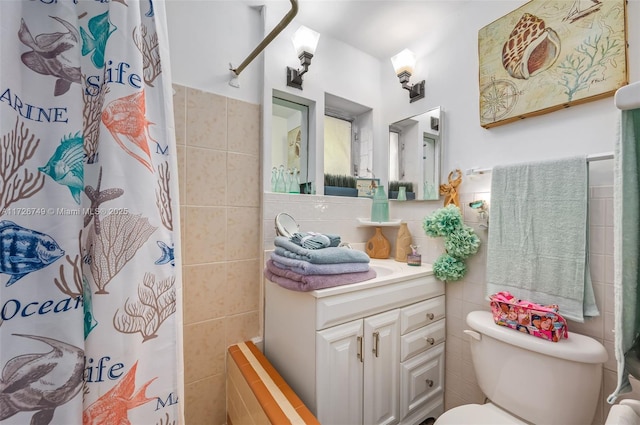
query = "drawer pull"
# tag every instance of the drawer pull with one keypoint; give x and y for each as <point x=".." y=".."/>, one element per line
<point x="359" y="349"/>
<point x="429" y="383"/>
<point x="431" y="341"/>
<point x="430" y="316"/>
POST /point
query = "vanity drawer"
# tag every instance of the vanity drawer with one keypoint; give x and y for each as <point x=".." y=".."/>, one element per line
<point x="421" y="380"/>
<point x="421" y="314"/>
<point x="422" y="339"/>
<point x="335" y="309"/>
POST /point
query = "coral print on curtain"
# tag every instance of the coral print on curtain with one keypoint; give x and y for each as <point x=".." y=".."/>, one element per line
<point x="90" y="289"/>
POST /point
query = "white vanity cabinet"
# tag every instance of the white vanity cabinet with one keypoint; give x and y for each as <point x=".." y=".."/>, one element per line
<point x="367" y="353"/>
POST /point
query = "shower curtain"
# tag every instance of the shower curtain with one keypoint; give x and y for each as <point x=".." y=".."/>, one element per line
<point x="627" y="251"/>
<point x="90" y="288"/>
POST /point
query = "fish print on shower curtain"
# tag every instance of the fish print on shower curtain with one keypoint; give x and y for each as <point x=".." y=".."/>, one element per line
<point x="90" y="288"/>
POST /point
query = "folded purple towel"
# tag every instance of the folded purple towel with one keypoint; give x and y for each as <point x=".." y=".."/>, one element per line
<point x="294" y="281"/>
<point x="307" y="268"/>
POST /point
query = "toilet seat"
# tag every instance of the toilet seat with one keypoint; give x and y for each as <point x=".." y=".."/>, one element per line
<point x="477" y="414"/>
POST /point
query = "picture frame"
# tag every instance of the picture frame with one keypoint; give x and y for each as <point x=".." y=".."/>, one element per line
<point x="366" y="187"/>
<point x="550" y="54"/>
<point x="293" y="147"/>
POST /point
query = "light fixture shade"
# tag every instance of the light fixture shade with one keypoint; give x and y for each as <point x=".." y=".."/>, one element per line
<point x="404" y="61"/>
<point x="305" y="40"/>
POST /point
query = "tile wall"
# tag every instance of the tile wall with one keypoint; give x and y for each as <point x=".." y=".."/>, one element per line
<point x="339" y="215"/>
<point x="468" y="295"/>
<point x="219" y="173"/>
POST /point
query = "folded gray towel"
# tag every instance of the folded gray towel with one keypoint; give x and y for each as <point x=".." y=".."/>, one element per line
<point x="307" y="268"/>
<point x="313" y="240"/>
<point x="331" y="255"/>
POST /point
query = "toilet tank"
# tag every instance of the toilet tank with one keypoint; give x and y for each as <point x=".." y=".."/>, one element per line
<point x="540" y="381"/>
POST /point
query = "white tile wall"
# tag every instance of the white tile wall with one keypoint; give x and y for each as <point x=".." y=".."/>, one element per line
<point x="339" y="215"/>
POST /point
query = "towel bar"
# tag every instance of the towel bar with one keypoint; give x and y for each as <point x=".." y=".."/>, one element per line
<point x="590" y="158"/>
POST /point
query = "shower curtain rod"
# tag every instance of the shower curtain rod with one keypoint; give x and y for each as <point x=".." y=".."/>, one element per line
<point x="269" y="38"/>
<point x="628" y="97"/>
<point x="590" y="158"/>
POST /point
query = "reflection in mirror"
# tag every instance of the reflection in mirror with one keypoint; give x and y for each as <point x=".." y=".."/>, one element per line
<point x="348" y="138"/>
<point x="289" y="147"/>
<point x="337" y="146"/>
<point x="415" y="151"/>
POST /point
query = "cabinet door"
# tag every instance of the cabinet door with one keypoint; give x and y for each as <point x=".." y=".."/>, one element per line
<point x="339" y="374"/>
<point x="381" y="368"/>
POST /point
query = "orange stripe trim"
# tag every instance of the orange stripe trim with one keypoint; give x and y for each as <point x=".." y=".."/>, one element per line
<point x="279" y="402"/>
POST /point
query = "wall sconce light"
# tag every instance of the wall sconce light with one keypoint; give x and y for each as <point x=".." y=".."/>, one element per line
<point x="305" y="42"/>
<point x="404" y="63"/>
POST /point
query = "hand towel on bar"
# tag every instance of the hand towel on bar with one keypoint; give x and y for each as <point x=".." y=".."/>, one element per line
<point x="297" y="282"/>
<point x="330" y="255"/>
<point x="626" y="250"/>
<point x="313" y="240"/>
<point x="305" y="267"/>
<point x="538" y="238"/>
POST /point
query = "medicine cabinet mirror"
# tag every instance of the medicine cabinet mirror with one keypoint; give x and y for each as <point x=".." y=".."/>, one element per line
<point x="348" y="138"/>
<point x="415" y="153"/>
<point x="290" y="146"/>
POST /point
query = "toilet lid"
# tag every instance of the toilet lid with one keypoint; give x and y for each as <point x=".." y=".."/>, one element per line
<point x="477" y="414"/>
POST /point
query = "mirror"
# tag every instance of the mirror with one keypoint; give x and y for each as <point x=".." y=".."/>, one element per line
<point x="415" y="153"/>
<point x="289" y="146"/>
<point x="286" y="225"/>
<point x="348" y="137"/>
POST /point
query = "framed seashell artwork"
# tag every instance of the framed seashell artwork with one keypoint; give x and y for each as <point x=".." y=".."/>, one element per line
<point x="548" y="55"/>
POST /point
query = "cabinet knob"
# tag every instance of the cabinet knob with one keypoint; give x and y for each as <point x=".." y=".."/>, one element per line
<point x="430" y="316"/>
<point x="431" y="341"/>
<point x="429" y="383"/>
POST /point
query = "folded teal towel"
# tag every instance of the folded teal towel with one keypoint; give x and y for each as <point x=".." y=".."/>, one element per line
<point x="305" y="267"/>
<point x="313" y="240"/>
<point x="537" y="247"/>
<point x="331" y="255"/>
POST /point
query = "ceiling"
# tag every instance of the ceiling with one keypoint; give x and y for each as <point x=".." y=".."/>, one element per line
<point x="380" y="28"/>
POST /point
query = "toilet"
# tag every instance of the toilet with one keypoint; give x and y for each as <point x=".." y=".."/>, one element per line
<point x="627" y="412"/>
<point x="529" y="380"/>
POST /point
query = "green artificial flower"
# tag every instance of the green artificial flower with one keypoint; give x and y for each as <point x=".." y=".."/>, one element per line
<point x="449" y="268"/>
<point x="462" y="242"/>
<point x="443" y="221"/>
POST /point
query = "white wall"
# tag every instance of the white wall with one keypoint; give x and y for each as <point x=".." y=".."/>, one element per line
<point x="279" y="129"/>
<point x="448" y="60"/>
<point x="206" y="35"/>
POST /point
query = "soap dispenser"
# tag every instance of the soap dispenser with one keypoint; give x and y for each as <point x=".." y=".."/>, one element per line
<point x="380" y="206"/>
